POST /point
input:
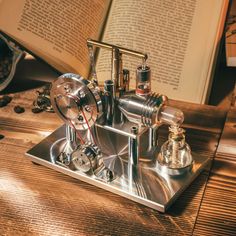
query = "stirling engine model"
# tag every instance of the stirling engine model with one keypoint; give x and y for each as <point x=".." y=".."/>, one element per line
<point x="110" y="136"/>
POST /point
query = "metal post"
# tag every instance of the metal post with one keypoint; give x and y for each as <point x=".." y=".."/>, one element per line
<point x="133" y="147"/>
<point x="152" y="137"/>
<point x="70" y="134"/>
<point x="115" y="69"/>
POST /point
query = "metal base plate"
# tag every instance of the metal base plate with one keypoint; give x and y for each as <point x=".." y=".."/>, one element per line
<point x="144" y="184"/>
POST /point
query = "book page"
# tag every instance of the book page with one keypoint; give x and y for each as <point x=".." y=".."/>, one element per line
<point x="179" y="36"/>
<point x="55" y="30"/>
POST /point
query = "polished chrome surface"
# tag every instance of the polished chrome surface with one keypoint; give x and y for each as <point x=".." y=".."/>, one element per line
<point x="85" y="158"/>
<point x="133" y="147"/>
<point x="116" y="131"/>
<point x="109" y="101"/>
<point x="76" y="100"/>
<point x="142" y="109"/>
<point x="152" y="137"/>
<point x="119" y="79"/>
<point x="116" y="70"/>
<point x="142" y="183"/>
<point x="69" y="146"/>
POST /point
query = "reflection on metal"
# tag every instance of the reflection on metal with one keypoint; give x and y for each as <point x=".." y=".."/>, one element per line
<point x="143" y="183"/>
<point x="110" y="136"/>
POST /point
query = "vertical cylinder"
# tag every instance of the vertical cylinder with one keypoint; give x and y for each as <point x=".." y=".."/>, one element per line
<point x="133" y="148"/>
<point x="115" y="69"/>
<point x="109" y="100"/>
<point x="143" y="80"/>
<point x="70" y="134"/>
<point x="126" y="78"/>
<point x="69" y="146"/>
<point x="152" y="137"/>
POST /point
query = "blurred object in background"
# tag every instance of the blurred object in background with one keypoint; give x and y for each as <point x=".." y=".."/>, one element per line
<point x="230" y="36"/>
<point x="10" y="55"/>
<point x="19" y="69"/>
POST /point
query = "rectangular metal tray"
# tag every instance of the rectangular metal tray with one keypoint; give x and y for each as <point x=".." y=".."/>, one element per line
<point x="149" y="187"/>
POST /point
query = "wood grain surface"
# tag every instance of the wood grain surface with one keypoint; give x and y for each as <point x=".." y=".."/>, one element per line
<point x="35" y="200"/>
<point x="217" y="215"/>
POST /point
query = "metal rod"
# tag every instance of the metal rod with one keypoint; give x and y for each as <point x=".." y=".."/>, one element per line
<point x="70" y="134"/>
<point x="133" y="148"/>
<point x="121" y="49"/>
<point x="115" y="69"/>
<point x="109" y="90"/>
<point x="152" y="137"/>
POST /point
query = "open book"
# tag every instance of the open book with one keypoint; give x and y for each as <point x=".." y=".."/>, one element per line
<point x="181" y="37"/>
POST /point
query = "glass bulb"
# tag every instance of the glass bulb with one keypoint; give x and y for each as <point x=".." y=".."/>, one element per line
<point x="175" y="152"/>
<point x="143" y="80"/>
<point x="171" y="115"/>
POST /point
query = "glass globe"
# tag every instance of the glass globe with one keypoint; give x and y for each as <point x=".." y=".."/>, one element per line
<point x="175" y="152"/>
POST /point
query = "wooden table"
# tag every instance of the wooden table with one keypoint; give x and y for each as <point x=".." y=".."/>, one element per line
<point x="35" y="200"/>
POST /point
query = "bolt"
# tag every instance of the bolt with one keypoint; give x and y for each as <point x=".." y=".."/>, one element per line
<point x="109" y="175"/>
<point x="134" y="130"/>
<point x="80" y="118"/>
